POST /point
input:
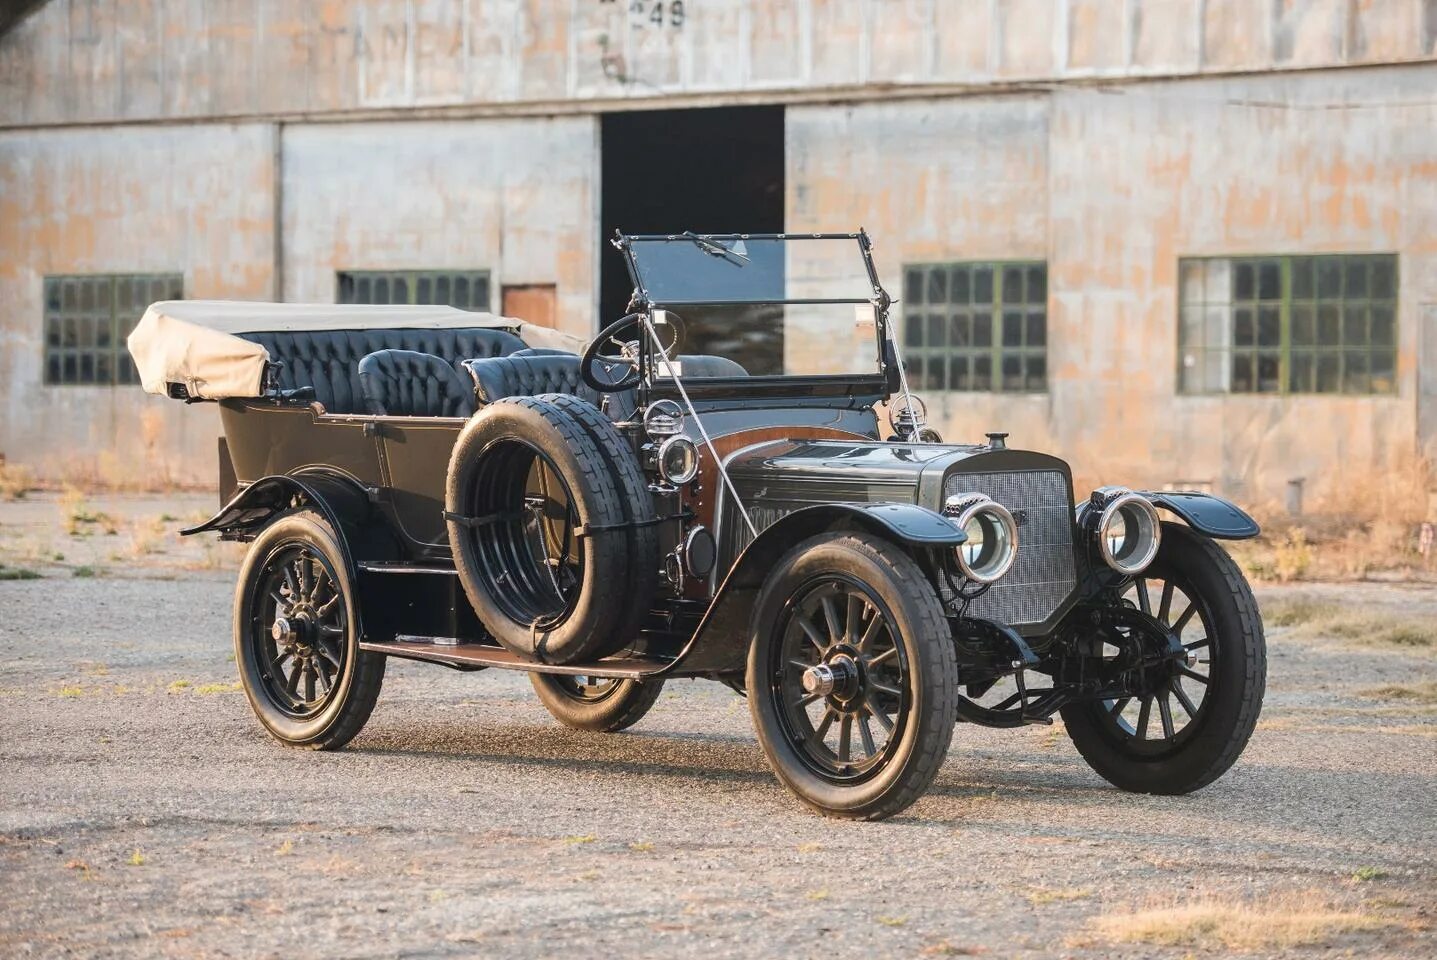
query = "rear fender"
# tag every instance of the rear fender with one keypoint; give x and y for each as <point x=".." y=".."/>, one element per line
<point x="362" y="534"/>
<point x="720" y="643"/>
<point x="1207" y="514"/>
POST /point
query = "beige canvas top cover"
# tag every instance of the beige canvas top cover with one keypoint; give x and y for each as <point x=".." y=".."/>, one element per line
<point x="196" y="342"/>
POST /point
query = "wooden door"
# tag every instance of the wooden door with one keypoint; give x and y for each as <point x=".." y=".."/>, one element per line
<point x="534" y="302"/>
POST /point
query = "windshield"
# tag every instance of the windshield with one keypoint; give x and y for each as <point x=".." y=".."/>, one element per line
<point x="688" y="268"/>
<point x="773" y="305"/>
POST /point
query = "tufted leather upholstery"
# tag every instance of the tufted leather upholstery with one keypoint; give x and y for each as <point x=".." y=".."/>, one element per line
<point x="404" y="383"/>
<point x="328" y="360"/>
<point x="528" y="376"/>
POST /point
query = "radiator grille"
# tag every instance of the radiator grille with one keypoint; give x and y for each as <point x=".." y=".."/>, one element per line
<point x="1043" y="576"/>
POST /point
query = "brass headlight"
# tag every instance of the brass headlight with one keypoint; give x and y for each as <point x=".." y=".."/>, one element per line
<point x="1128" y="532"/>
<point x="678" y="460"/>
<point x="992" y="543"/>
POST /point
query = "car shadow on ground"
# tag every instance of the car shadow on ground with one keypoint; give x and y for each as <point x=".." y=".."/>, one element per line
<point x="1041" y="787"/>
<point x="724" y="758"/>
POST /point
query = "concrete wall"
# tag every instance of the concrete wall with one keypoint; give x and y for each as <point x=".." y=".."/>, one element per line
<point x="100" y="60"/>
<point x="1112" y="187"/>
<point x="142" y="200"/>
<point x="518" y="198"/>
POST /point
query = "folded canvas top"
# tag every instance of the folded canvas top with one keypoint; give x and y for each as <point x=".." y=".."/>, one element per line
<point x="197" y="343"/>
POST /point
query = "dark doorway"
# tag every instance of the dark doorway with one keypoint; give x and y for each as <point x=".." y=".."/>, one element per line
<point x="717" y="170"/>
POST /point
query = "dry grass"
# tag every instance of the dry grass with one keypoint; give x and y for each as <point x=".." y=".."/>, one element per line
<point x="15" y="481"/>
<point x="79" y="519"/>
<point x="1319" y="619"/>
<point x="1352" y="527"/>
<point x="1418" y="693"/>
<point x="1039" y="896"/>
<point x="1280" y="922"/>
<point x="147" y="536"/>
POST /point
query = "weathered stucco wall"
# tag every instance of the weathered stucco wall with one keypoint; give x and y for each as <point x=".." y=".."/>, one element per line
<point x="932" y="181"/>
<point x="144" y="200"/>
<point x="98" y="60"/>
<point x="1112" y="187"/>
<point x="1316" y="163"/>
<point x="515" y="197"/>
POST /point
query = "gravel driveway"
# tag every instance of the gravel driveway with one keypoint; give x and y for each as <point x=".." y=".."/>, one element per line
<point x="144" y="813"/>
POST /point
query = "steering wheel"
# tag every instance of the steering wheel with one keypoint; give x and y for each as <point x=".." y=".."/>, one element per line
<point x="594" y="360"/>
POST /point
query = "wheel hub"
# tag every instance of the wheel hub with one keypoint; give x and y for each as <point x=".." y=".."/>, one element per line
<point x="291" y="632"/>
<point x="837" y="677"/>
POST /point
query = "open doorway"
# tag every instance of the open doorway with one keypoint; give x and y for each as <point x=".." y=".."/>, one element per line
<point x="718" y="170"/>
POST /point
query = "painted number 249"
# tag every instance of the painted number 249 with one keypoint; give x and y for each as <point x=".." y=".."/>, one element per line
<point x="658" y="13"/>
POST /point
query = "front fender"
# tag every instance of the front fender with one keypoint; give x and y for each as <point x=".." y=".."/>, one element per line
<point x="720" y="643"/>
<point x="1208" y="514"/>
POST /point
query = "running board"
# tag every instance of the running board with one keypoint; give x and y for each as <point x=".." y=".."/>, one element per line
<point x="477" y="656"/>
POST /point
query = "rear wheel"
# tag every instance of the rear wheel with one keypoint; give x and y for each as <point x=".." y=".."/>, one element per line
<point x="852" y="676"/>
<point x="296" y="637"/>
<point x="1191" y="718"/>
<point x="595" y="703"/>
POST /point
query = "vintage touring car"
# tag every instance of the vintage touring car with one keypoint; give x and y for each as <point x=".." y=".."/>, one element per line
<point x="478" y="492"/>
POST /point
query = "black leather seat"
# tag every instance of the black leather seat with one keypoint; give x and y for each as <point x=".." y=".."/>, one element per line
<point x="703" y="365"/>
<point x="328" y="360"/>
<point x="405" y="383"/>
<point x="529" y="376"/>
<point x="541" y="352"/>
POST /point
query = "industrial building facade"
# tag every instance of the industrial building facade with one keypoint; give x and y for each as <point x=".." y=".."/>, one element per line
<point x="1186" y="242"/>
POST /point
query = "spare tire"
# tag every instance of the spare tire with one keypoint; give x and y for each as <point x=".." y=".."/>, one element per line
<point x="538" y="530"/>
<point x="642" y="542"/>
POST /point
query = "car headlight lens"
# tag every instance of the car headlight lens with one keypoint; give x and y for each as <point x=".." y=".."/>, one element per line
<point x="992" y="543"/>
<point x="1129" y="533"/>
<point x="678" y="460"/>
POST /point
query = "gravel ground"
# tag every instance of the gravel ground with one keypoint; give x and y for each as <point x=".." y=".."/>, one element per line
<point x="143" y="812"/>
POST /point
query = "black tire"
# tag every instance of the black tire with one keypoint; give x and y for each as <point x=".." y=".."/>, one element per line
<point x="643" y="535"/>
<point x="295" y="573"/>
<point x="588" y="703"/>
<point x="557" y="609"/>
<point x="1210" y="742"/>
<point x="915" y="671"/>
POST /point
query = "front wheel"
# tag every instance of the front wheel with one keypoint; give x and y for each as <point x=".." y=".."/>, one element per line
<point x="296" y="636"/>
<point x="1192" y="718"/>
<point x="852" y="676"/>
<point x="595" y="703"/>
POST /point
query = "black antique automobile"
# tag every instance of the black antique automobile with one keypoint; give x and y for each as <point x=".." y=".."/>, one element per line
<point x="476" y="492"/>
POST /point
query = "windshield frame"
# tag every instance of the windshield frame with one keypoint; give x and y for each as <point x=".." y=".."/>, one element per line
<point x="863" y="388"/>
<point x="625" y="242"/>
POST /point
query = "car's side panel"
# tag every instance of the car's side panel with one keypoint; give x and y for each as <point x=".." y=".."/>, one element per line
<point x="414" y="455"/>
<point x="268" y="439"/>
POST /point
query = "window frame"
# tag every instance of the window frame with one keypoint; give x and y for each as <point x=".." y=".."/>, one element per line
<point x="115" y="318"/>
<point x="995" y="349"/>
<point x="1288" y="303"/>
<point x="412" y="280"/>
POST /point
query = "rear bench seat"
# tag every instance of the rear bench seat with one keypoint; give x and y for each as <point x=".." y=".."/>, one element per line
<point x="328" y="360"/>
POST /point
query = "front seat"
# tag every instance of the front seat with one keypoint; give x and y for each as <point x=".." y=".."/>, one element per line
<point x="405" y="383"/>
<point x="529" y="376"/>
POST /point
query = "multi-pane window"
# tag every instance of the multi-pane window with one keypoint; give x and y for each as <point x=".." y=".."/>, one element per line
<point x="87" y="319"/>
<point x="465" y="289"/>
<point x="1323" y="324"/>
<point x="976" y="326"/>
